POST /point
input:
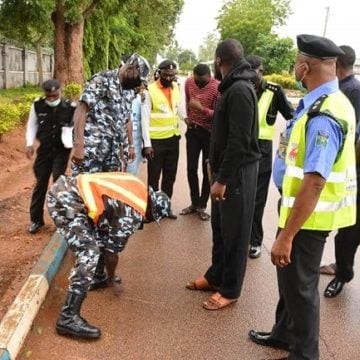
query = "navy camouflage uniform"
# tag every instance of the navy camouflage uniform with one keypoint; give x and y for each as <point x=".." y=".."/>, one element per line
<point x="105" y="128"/>
<point x="116" y="224"/>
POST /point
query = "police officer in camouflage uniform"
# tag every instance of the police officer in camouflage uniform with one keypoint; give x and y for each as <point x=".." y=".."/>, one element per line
<point x="100" y="135"/>
<point x="87" y="231"/>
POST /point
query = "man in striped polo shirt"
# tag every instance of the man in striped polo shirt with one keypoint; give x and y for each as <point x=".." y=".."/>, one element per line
<point x="200" y="93"/>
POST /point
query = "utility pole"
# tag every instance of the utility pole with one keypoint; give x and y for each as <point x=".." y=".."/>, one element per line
<point x="327" y="8"/>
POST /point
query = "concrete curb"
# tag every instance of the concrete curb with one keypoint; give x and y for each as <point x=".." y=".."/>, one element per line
<point x="17" y="322"/>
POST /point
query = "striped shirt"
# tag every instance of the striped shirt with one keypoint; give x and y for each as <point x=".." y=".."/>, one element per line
<point x="207" y="97"/>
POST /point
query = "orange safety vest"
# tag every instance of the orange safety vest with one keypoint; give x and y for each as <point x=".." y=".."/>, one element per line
<point x="124" y="187"/>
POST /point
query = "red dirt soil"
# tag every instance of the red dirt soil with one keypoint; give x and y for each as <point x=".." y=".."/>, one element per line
<point x="19" y="250"/>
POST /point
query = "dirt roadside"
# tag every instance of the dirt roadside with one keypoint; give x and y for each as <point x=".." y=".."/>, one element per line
<point x="19" y="250"/>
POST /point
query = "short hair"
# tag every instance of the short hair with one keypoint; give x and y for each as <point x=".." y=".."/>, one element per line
<point x="255" y="61"/>
<point x="347" y="60"/>
<point x="230" y="51"/>
<point x="202" y="69"/>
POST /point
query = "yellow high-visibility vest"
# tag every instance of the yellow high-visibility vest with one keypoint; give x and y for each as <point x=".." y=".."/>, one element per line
<point x="336" y="207"/>
<point x="266" y="131"/>
<point x="164" y="121"/>
<point x="124" y="187"/>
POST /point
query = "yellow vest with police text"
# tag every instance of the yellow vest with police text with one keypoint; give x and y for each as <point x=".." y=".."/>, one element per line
<point x="266" y="131"/>
<point x="164" y="121"/>
<point x="124" y="187"/>
<point x="336" y="207"/>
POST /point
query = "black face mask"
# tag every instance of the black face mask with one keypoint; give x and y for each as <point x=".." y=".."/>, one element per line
<point x="201" y="84"/>
<point x="130" y="83"/>
<point x="166" y="82"/>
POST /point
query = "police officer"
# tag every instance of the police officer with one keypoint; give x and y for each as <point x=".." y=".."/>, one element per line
<point x="48" y="115"/>
<point x="100" y="120"/>
<point x="271" y="100"/>
<point x="314" y="170"/>
<point x="161" y="132"/>
<point x="93" y="211"/>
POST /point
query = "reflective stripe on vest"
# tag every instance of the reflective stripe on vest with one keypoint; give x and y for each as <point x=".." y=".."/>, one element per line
<point x="336" y="207"/>
<point x="266" y="131"/>
<point x="124" y="187"/>
<point x="164" y="121"/>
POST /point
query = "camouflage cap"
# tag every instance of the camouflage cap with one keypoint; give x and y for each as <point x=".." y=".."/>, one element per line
<point x="141" y="64"/>
<point x="160" y="204"/>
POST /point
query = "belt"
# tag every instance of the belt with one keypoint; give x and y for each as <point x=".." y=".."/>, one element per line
<point x="195" y="126"/>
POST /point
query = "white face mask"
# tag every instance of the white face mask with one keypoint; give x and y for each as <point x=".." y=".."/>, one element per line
<point x="53" y="103"/>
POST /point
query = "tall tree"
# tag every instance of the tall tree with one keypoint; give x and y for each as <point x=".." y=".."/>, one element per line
<point x="208" y="47"/>
<point x="28" y="22"/>
<point x="246" y="20"/>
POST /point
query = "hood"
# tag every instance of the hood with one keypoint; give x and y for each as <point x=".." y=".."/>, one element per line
<point x="241" y="71"/>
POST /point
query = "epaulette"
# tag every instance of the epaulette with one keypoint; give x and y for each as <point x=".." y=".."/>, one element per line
<point x="315" y="108"/>
<point x="272" y="86"/>
<point x="39" y="98"/>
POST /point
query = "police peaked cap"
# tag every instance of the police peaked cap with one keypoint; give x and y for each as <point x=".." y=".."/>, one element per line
<point x="141" y="64"/>
<point x="51" y="85"/>
<point x="167" y="65"/>
<point x="318" y="47"/>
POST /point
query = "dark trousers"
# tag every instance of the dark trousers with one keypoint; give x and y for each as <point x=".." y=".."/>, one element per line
<point x="48" y="161"/>
<point x="347" y="241"/>
<point x="164" y="163"/>
<point x="298" y="309"/>
<point x="197" y="141"/>
<point x="263" y="180"/>
<point x="231" y="226"/>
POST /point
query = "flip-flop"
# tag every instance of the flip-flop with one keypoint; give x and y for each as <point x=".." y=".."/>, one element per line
<point x="188" y="210"/>
<point x="200" y="284"/>
<point x="203" y="215"/>
<point x="214" y="304"/>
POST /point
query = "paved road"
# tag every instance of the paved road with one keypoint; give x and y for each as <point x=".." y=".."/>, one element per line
<point x="157" y="318"/>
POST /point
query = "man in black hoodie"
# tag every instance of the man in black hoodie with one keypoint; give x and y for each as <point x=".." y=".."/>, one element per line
<point x="233" y="165"/>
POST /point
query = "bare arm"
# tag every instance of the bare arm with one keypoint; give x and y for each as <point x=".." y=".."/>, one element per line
<point x="79" y="125"/>
<point x="304" y="205"/>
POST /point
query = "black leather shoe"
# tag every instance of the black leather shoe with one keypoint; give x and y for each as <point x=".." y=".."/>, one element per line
<point x="334" y="288"/>
<point x="172" y="215"/>
<point x="264" y="338"/>
<point x="35" y="227"/>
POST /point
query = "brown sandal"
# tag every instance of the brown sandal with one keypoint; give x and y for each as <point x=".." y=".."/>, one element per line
<point x="200" y="284"/>
<point x="203" y="215"/>
<point x="217" y="302"/>
<point x="188" y="210"/>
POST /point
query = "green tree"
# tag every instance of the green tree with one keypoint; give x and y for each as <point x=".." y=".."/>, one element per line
<point x="29" y="23"/>
<point x="187" y="57"/>
<point x="247" y="20"/>
<point x="278" y="54"/>
<point x="208" y="47"/>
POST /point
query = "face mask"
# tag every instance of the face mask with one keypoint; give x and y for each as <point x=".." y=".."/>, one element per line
<point x="53" y="103"/>
<point x="300" y="83"/>
<point x="131" y="83"/>
<point x="201" y="84"/>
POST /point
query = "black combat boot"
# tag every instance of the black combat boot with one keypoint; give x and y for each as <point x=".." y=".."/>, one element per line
<point x="70" y="322"/>
<point x="100" y="279"/>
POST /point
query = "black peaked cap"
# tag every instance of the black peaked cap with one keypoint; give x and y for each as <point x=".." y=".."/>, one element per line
<point x="318" y="46"/>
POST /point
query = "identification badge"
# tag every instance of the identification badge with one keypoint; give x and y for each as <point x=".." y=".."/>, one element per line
<point x="283" y="143"/>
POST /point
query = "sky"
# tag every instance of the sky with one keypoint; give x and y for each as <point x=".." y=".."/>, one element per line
<point x="309" y="16"/>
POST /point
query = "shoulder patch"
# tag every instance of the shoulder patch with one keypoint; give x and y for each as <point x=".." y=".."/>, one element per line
<point x="322" y="138"/>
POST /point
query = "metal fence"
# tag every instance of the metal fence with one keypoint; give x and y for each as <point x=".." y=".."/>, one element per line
<point x="18" y="66"/>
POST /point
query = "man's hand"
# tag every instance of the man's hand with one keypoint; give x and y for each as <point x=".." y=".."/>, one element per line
<point x="281" y="250"/>
<point x="77" y="154"/>
<point x="217" y="191"/>
<point x="149" y="152"/>
<point x="195" y="104"/>
<point x="132" y="155"/>
<point x="187" y="121"/>
<point x="29" y="151"/>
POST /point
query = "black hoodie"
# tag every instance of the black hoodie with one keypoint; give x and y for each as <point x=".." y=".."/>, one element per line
<point x="235" y="127"/>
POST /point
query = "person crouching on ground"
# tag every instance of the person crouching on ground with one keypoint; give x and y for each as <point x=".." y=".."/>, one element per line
<point x="97" y="213"/>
